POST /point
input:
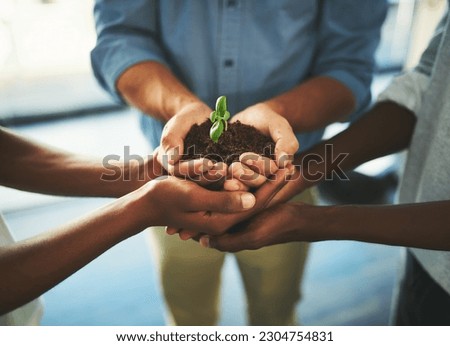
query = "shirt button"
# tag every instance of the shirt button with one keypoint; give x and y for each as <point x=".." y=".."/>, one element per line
<point x="231" y="3"/>
<point x="228" y="63"/>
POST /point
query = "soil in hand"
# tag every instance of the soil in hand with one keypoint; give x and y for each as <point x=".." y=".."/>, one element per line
<point x="239" y="138"/>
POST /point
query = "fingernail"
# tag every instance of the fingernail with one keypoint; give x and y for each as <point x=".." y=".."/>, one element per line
<point x="184" y="236"/>
<point x="171" y="155"/>
<point x="204" y="241"/>
<point x="283" y="159"/>
<point x="218" y="166"/>
<point x="248" y="200"/>
<point x="240" y="172"/>
<point x="291" y="169"/>
<point x="206" y="165"/>
<point x="171" y="231"/>
<point x="232" y="186"/>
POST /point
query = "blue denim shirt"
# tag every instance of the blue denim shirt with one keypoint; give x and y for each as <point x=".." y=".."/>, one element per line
<point x="247" y="50"/>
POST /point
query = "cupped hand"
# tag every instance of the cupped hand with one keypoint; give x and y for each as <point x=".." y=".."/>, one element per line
<point x="174" y="134"/>
<point x="263" y="197"/>
<point x="272" y="226"/>
<point x="169" y="154"/>
<point x="272" y="124"/>
<point x="182" y="203"/>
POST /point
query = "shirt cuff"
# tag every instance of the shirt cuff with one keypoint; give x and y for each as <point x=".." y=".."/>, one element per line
<point x="359" y="89"/>
<point x="406" y="90"/>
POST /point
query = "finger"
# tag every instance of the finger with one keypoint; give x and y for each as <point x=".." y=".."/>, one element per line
<point x="286" y="144"/>
<point x="222" y="201"/>
<point x="246" y="175"/>
<point x="172" y="230"/>
<point x="290" y="169"/>
<point x="292" y="188"/>
<point x="172" y="147"/>
<point x="263" y="196"/>
<point x="267" y="191"/>
<point x="217" y="173"/>
<point x="235" y="185"/>
<point x="203" y="223"/>
<point x="260" y="164"/>
<point x="154" y="166"/>
<point x="187" y="234"/>
<point x="172" y="138"/>
<point x="227" y="242"/>
<point x="191" y="169"/>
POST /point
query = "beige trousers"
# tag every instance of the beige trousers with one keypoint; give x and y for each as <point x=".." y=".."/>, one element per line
<point x="190" y="277"/>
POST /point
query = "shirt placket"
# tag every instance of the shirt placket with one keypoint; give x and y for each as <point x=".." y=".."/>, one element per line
<point x="229" y="49"/>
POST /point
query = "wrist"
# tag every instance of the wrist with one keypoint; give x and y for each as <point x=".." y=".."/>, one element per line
<point x="127" y="215"/>
<point x="152" y="87"/>
<point x="122" y="178"/>
<point x="192" y="106"/>
<point x="313" y="223"/>
<point x="141" y="205"/>
<point x="275" y="106"/>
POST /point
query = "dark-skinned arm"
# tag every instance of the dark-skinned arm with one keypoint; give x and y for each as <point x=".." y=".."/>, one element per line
<point x="385" y="129"/>
<point x="31" y="166"/>
<point x="420" y="225"/>
<point x="31" y="267"/>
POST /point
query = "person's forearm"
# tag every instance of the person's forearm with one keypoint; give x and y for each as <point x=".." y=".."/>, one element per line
<point x="152" y="88"/>
<point x="31" y="166"/>
<point x="387" y="128"/>
<point x="314" y="104"/>
<point x="31" y="267"/>
<point x="421" y="225"/>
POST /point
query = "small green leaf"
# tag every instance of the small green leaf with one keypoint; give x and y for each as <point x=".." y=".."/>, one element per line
<point x="213" y="116"/>
<point x="221" y="105"/>
<point x="226" y="116"/>
<point x="216" y="131"/>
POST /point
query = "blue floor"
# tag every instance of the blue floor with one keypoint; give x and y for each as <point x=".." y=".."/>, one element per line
<point x="346" y="283"/>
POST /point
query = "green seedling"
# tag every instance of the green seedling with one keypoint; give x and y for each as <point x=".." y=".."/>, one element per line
<point x="219" y="118"/>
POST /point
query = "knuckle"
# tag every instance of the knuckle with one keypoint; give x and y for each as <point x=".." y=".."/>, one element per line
<point x="166" y="139"/>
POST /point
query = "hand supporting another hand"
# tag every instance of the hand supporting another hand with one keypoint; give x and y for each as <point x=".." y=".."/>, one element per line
<point x="180" y="203"/>
<point x="282" y="223"/>
<point x="227" y="219"/>
<point x="252" y="172"/>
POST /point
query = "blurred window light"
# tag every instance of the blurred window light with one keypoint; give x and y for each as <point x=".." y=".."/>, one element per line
<point x="46" y="37"/>
<point x="45" y="69"/>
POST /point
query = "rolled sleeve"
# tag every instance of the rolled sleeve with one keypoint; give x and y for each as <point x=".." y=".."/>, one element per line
<point x="406" y="90"/>
<point x="358" y="85"/>
<point x="349" y="36"/>
<point x="126" y="35"/>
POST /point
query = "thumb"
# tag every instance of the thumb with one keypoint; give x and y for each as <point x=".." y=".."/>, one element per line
<point x="286" y="144"/>
<point x="228" y="242"/>
<point x="172" y="145"/>
<point x="223" y="201"/>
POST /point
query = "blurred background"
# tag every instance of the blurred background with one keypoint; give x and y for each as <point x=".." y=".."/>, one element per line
<point x="48" y="92"/>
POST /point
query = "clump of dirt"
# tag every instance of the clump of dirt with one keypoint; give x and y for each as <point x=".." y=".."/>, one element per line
<point x="239" y="138"/>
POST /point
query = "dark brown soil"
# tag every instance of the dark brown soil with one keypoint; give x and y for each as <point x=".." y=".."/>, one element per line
<point x="239" y="138"/>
